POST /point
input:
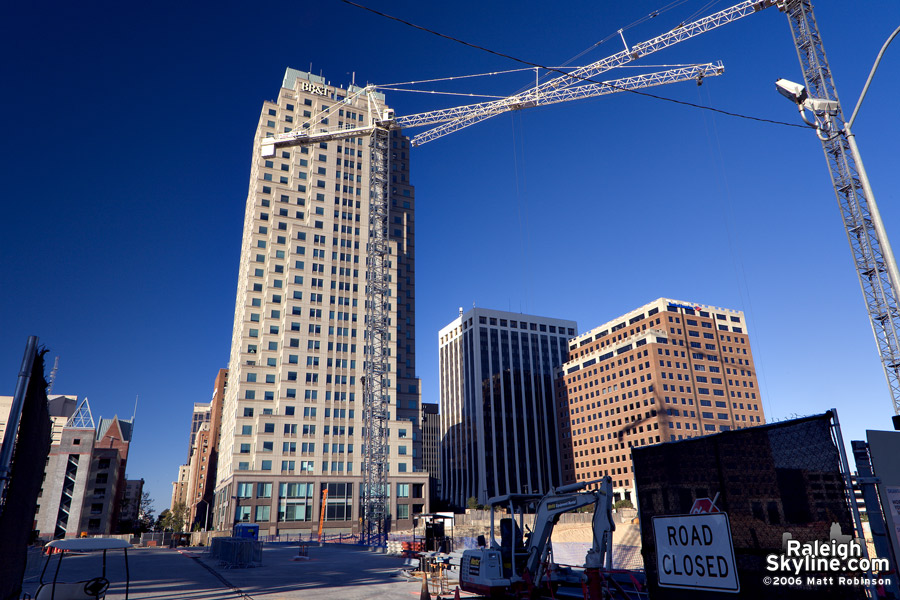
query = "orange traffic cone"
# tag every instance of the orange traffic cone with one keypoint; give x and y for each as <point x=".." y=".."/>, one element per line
<point x="456" y="594"/>
<point x="424" y="595"/>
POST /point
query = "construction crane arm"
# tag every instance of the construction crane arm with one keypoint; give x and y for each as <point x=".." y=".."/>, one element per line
<point x="693" y="72"/>
<point x="484" y="110"/>
<point x="302" y="136"/>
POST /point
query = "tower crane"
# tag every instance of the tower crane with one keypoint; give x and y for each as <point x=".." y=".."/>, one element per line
<point x="381" y="122"/>
<point x="861" y="222"/>
<point x="872" y="254"/>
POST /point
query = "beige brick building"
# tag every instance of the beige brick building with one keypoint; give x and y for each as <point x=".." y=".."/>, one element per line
<point x="666" y="371"/>
<point x="292" y="417"/>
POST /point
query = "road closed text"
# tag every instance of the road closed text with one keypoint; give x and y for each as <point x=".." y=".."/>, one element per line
<point x="695" y="552"/>
<point x="695" y="540"/>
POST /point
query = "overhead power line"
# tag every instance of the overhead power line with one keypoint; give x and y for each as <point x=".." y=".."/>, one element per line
<point x="561" y="72"/>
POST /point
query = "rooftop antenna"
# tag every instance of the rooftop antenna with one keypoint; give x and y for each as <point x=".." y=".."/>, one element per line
<point x="134" y="412"/>
<point x="53" y="375"/>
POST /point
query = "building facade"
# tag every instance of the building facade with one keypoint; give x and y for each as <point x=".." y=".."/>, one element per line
<point x="5" y="407"/>
<point x="292" y="423"/>
<point x="131" y="505"/>
<point x="204" y="457"/>
<point x="431" y="446"/>
<point x="180" y="486"/>
<point x="666" y="371"/>
<point x="202" y="414"/>
<point x="497" y="413"/>
<point x="84" y="480"/>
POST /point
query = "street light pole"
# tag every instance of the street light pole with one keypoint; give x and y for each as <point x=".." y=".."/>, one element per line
<point x="880" y="232"/>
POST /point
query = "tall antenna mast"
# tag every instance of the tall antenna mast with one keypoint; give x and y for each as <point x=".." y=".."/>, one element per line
<point x="52" y="375"/>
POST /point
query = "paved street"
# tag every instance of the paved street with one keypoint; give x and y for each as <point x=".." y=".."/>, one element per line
<point x="343" y="572"/>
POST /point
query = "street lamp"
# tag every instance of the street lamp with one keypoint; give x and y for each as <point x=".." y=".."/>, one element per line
<point x="824" y="120"/>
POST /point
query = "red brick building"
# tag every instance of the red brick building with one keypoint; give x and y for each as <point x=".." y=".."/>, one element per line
<point x="668" y="370"/>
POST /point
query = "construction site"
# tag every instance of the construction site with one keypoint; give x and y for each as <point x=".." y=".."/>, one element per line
<point x="769" y="510"/>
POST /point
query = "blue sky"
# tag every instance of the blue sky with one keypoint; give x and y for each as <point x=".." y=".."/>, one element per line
<point x="127" y="132"/>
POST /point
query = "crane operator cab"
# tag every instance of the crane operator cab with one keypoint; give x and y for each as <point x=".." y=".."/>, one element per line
<point x="512" y="549"/>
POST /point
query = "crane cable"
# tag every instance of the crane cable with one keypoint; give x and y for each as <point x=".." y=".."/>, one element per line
<point x="585" y="79"/>
<point x="737" y="258"/>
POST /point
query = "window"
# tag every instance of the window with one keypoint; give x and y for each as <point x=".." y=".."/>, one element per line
<point x="263" y="490"/>
<point x="246" y="429"/>
<point x="403" y="511"/>
<point x="262" y="513"/>
<point x="340" y="499"/>
<point x="403" y="490"/>
<point x="266" y="465"/>
<point x="245" y="448"/>
<point x="245" y="490"/>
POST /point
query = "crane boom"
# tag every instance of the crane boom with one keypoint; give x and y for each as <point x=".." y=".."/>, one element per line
<point x="582" y="91"/>
<point x="305" y="136"/>
<point x="463" y="116"/>
<point x="872" y="255"/>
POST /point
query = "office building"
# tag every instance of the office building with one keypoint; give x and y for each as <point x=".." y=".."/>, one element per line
<point x="431" y="446"/>
<point x="498" y="426"/>
<point x="130" y="512"/>
<point x="292" y="421"/>
<point x="180" y="486"/>
<point x="84" y="480"/>
<point x="202" y="414"/>
<point x="666" y="371"/>
<point x="204" y="458"/>
<point x="5" y="407"/>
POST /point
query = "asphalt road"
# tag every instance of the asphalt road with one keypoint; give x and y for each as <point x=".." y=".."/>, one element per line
<point x="332" y="572"/>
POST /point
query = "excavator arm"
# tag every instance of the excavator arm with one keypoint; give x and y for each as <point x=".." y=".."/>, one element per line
<point x="567" y="499"/>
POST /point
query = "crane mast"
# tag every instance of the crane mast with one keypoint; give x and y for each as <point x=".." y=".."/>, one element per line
<point x="872" y="255"/>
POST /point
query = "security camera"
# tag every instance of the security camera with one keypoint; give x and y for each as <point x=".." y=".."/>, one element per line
<point x="792" y="91"/>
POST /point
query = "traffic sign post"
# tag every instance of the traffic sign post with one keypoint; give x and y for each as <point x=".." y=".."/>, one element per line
<point x="696" y="552"/>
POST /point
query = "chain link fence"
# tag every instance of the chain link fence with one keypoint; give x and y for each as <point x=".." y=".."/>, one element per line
<point x="770" y="480"/>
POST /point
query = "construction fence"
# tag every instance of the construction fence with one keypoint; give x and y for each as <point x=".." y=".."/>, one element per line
<point x="236" y="553"/>
<point x="773" y="480"/>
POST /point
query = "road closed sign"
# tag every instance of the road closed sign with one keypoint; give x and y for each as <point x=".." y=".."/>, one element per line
<point x="695" y="552"/>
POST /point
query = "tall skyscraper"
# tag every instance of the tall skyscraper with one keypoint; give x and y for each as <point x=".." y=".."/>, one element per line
<point x="497" y="410"/>
<point x="666" y="371"/>
<point x="292" y="422"/>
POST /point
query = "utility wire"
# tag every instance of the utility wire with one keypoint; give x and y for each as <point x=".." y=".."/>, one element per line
<point x="585" y="79"/>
